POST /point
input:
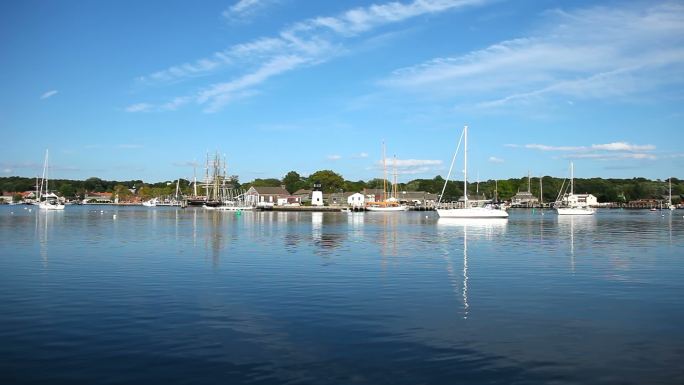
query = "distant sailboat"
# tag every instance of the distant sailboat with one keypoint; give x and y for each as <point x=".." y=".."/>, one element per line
<point x="390" y="204"/>
<point x="487" y="211"/>
<point x="46" y="199"/>
<point x="566" y="204"/>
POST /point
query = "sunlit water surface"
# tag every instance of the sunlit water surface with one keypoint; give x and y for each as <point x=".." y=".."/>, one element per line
<point x="98" y="294"/>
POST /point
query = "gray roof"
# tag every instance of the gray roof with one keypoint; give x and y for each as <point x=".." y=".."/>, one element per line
<point x="416" y="195"/>
<point x="373" y="191"/>
<point x="302" y="191"/>
<point x="271" y="191"/>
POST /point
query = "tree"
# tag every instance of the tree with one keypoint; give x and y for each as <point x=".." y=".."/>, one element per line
<point x="67" y="190"/>
<point x="354" y="186"/>
<point x="269" y="182"/>
<point x="122" y="192"/>
<point x="94" y="184"/>
<point x="329" y="180"/>
<point x="145" y="192"/>
<point x="376" y="183"/>
<point x="292" y="181"/>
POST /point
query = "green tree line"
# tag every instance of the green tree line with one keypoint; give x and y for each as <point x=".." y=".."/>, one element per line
<point x="606" y="190"/>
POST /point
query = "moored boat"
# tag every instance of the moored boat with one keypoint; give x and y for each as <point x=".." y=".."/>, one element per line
<point x="487" y="210"/>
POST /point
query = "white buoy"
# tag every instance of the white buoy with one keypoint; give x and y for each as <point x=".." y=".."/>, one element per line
<point x="114" y="216"/>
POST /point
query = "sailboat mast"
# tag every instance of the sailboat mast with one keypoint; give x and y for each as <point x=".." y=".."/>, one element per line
<point x="46" y="172"/>
<point x="394" y="179"/>
<point x="465" y="167"/>
<point x="384" y="174"/>
<point x="206" y="177"/>
<point x="541" y="192"/>
<point x="670" y="188"/>
<point x="496" y="190"/>
<point x="194" y="178"/>
<point x="529" y="182"/>
<point x="572" y="178"/>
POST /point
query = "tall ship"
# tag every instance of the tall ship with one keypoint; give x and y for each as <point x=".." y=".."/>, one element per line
<point x="217" y="191"/>
<point x="390" y="201"/>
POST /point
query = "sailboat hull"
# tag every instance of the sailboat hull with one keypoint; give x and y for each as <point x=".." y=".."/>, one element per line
<point x="575" y="211"/>
<point x="51" y="206"/>
<point x="474" y="212"/>
<point x="387" y="209"/>
<point x="229" y="208"/>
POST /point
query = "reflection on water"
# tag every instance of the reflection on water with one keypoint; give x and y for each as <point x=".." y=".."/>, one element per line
<point x="569" y="224"/>
<point x="271" y="297"/>
<point x="478" y="228"/>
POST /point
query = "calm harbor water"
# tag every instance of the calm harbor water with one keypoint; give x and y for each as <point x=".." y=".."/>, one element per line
<point x="99" y="294"/>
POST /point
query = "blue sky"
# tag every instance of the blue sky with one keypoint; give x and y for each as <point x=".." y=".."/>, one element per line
<point x="143" y="89"/>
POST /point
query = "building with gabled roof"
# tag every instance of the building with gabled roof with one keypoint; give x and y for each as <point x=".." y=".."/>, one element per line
<point x="265" y="196"/>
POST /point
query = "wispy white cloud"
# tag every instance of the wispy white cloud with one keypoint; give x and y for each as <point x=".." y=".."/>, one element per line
<point x="360" y="155"/>
<point x="186" y="164"/>
<point x="623" y="146"/>
<point x="243" y="10"/>
<point x="220" y="94"/>
<point x="306" y="43"/>
<point x="607" y="151"/>
<point x="49" y="94"/>
<point x="411" y="166"/>
<point x="334" y="157"/>
<point x="591" y="53"/>
<point x="494" y="159"/>
<point x="139" y="107"/>
<point x="614" y="146"/>
<point x="544" y="147"/>
<point x="362" y="19"/>
<point x="6" y="170"/>
<point x="611" y="156"/>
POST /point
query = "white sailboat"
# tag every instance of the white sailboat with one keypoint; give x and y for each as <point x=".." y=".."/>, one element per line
<point x="468" y="211"/>
<point x="151" y="203"/>
<point x="46" y="199"/>
<point x="567" y="205"/>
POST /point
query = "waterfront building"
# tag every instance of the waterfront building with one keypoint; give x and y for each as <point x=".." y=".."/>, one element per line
<point x="339" y="198"/>
<point x="356" y="200"/>
<point x="524" y="199"/>
<point x="265" y="196"/>
<point x="417" y="198"/>
<point x="580" y="200"/>
<point x="373" y="194"/>
<point x="304" y="195"/>
<point x="7" y="197"/>
<point x="97" y="197"/>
